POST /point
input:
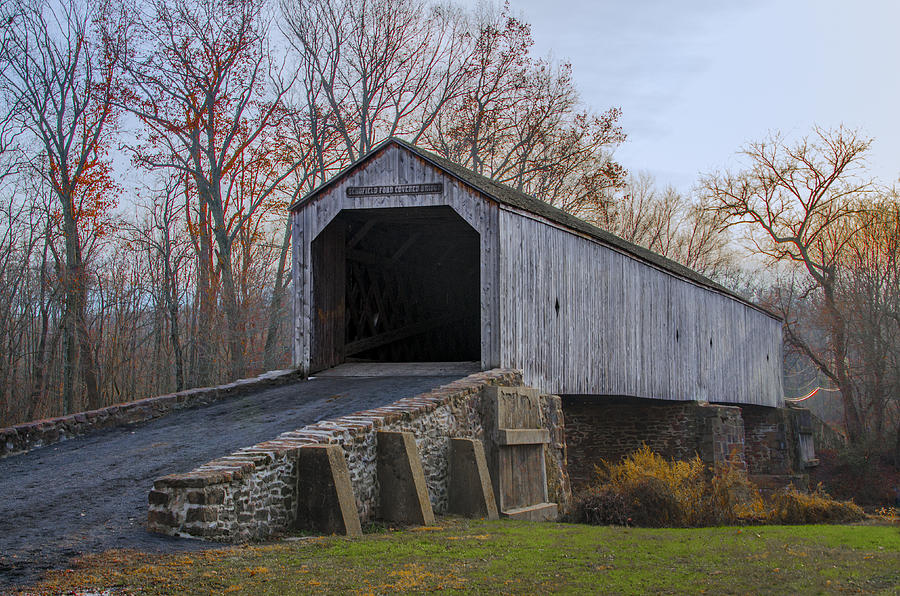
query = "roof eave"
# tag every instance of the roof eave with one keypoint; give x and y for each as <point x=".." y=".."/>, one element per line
<point x="342" y="174"/>
<point x="669" y="266"/>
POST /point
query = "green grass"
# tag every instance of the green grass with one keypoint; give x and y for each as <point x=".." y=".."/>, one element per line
<point x="462" y="556"/>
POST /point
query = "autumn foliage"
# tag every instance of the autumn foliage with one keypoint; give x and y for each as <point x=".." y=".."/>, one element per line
<point x="645" y="489"/>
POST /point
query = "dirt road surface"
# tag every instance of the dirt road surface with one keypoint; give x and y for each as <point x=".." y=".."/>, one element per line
<point x="90" y="494"/>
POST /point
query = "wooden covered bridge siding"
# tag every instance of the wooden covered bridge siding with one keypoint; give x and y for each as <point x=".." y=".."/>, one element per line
<point x="392" y="165"/>
<point x="581" y="318"/>
<point x="575" y="314"/>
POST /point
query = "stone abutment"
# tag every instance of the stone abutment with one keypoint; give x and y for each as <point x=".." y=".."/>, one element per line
<point x="253" y="493"/>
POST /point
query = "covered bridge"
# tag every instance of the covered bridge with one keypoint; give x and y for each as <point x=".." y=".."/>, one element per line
<point x="405" y="256"/>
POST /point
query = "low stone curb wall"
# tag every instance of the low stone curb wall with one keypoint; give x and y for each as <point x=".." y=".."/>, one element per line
<point x="251" y="493"/>
<point x="39" y="433"/>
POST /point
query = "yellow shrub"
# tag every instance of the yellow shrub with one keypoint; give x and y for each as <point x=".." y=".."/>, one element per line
<point x="645" y="489"/>
<point x="794" y="507"/>
<point x="680" y="482"/>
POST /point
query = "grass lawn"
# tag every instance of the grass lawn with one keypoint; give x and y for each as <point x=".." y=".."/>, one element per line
<point x="463" y="556"/>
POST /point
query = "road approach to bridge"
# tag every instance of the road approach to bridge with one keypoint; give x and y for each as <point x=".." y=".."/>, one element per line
<point x="89" y="494"/>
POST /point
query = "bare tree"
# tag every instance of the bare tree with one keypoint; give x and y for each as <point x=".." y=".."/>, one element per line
<point x="167" y="253"/>
<point x="59" y="66"/>
<point x="205" y="87"/>
<point x="380" y="67"/>
<point x="869" y="292"/>
<point x="667" y="222"/>
<point x="798" y="202"/>
<point x="19" y="239"/>
<point x="316" y="146"/>
<point x="519" y="120"/>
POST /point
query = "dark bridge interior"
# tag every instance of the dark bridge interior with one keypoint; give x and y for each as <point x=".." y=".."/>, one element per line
<point x="396" y="285"/>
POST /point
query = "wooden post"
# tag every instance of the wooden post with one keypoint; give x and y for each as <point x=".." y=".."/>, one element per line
<point x="515" y="453"/>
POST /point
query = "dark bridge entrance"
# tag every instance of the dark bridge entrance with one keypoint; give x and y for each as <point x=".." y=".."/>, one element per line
<point x="395" y="285"/>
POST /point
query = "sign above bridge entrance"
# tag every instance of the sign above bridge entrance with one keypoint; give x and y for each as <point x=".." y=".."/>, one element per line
<point x="396" y="189"/>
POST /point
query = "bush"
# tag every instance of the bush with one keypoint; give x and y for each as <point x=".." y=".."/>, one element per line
<point x="647" y="502"/>
<point x="730" y="498"/>
<point x="602" y="506"/>
<point x="866" y="472"/>
<point x="653" y="503"/>
<point x="794" y="507"/>
<point x="645" y="489"/>
<point x="657" y="492"/>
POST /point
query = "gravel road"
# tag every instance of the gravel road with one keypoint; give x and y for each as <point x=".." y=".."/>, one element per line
<point x="90" y="494"/>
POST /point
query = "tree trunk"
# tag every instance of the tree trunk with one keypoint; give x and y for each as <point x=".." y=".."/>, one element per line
<point x="86" y="356"/>
<point x="174" y="333"/>
<point x="206" y="313"/>
<point x="35" y="398"/>
<point x="277" y="304"/>
<point x="230" y="302"/>
<point x="77" y="339"/>
<point x="852" y="420"/>
<point x="209" y="191"/>
<point x="70" y="326"/>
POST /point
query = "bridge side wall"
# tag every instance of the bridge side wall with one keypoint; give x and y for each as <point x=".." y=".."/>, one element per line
<point x="779" y="441"/>
<point x="252" y="493"/>
<point x="579" y="317"/>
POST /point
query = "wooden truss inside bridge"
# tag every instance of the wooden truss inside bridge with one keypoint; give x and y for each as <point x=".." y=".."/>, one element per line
<point x="396" y="285"/>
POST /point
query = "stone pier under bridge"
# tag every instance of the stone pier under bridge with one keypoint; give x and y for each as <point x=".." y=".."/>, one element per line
<point x="774" y="445"/>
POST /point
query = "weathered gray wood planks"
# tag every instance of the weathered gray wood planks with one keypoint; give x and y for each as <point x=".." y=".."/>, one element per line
<point x="576" y="314"/>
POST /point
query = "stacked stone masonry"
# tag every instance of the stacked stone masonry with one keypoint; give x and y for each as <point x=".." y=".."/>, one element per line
<point x="599" y="428"/>
<point x="39" y="433"/>
<point x="251" y="494"/>
<point x="774" y="445"/>
<point x="779" y="440"/>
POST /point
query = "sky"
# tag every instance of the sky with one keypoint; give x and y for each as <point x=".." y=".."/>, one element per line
<point x="698" y="79"/>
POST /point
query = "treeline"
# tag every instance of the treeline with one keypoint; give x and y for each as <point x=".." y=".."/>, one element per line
<point x="149" y="151"/>
<point x="830" y="237"/>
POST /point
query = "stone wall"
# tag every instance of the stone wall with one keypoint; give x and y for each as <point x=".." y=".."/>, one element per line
<point x="780" y="441"/>
<point x="612" y="427"/>
<point x="251" y="493"/>
<point x="39" y="433"/>
<point x="724" y="433"/>
<point x="559" y="489"/>
<point x="824" y="435"/>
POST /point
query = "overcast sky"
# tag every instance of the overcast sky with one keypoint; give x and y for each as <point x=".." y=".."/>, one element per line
<point x="697" y="79"/>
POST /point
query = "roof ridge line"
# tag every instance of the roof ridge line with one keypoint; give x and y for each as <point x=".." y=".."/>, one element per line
<point x="506" y="195"/>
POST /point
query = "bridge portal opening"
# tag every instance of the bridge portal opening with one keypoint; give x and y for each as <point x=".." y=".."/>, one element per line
<point x="396" y="285"/>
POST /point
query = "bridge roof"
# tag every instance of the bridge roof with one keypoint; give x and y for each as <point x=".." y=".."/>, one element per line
<point x="506" y="195"/>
